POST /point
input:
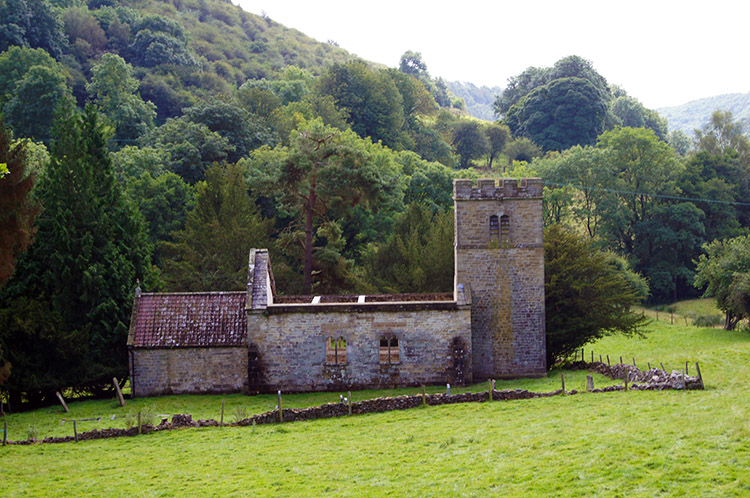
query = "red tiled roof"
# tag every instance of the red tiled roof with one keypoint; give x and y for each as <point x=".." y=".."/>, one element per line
<point x="190" y="319"/>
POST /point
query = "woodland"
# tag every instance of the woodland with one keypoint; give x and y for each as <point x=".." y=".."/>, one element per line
<point x="153" y="143"/>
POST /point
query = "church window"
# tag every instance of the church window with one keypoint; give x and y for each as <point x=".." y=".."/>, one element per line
<point x="389" y="351"/>
<point x="505" y="230"/>
<point x="336" y="351"/>
<point x="494" y="228"/>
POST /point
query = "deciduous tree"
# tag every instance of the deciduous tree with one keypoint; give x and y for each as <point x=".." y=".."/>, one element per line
<point x="724" y="272"/>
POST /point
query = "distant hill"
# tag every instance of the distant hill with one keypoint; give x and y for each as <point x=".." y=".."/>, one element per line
<point x="695" y="114"/>
<point x="479" y="99"/>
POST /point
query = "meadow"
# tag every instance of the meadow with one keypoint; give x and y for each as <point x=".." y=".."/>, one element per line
<point x="692" y="443"/>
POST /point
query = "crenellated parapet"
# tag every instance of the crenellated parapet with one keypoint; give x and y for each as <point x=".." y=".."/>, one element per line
<point x="525" y="188"/>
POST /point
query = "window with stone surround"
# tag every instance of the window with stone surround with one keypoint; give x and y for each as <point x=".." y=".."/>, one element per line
<point x="505" y="231"/>
<point x="494" y="229"/>
<point x="389" y="351"/>
<point x="336" y="351"/>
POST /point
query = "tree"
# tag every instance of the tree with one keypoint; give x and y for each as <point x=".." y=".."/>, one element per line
<point x="588" y="294"/>
<point x="560" y="114"/>
<point x="211" y="252"/>
<point x="16" y="62"/>
<point x="590" y="171"/>
<point x="164" y="201"/>
<point x="724" y="272"/>
<point x="631" y="113"/>
<point x="114" y="91"/>
<point x="469" y="141"/>
<point x="531" y="78"/>
<point x="78" y="276"/>
<point x="411" y="63"/>
<point x="722" y="134"/>
<point x="323" y="172"/>
<point x="191" y="147"/>
<point x="498" y="135"/>
<point x="371" y="98"/>
<point x="243" y="131"/>
<point x="418" y="255"/>
<point x="35" y="98"/>
<point x="17" y="210"/>
<point x="521" y="149"/>
<point x="642" y="167"/>
<point x="31" y="23"/>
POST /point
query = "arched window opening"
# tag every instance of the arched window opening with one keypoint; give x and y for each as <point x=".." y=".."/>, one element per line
<point x="505" y="229"/>
<point x="389" y="351"/>
<point x="494" y="228"/>
<point x="336" y="351"/>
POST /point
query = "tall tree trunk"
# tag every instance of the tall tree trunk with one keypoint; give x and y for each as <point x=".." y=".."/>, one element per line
<point x="309" y="213"/>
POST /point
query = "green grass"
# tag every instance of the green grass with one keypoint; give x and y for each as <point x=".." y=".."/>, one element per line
<point x="684" y="311"/>
<point x="694" y="443"/>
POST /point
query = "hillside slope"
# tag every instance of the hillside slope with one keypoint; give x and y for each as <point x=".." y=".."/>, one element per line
<point x="693" y="115"/>
<point x="479" y="99"/>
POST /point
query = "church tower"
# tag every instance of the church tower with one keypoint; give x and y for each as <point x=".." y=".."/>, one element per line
<point x="500" y="256"/>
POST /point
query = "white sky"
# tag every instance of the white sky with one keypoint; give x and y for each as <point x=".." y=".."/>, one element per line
<point x="662" y="52"/>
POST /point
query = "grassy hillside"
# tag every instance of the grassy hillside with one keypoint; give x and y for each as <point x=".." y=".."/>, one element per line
<point x="695" y="114"/>
<point x="694" y="443"/>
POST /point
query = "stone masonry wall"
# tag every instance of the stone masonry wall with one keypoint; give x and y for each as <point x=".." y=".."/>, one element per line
<point x="292" y="348"/>
<point x="189" y="370"/>
<point x="506" y="276"/>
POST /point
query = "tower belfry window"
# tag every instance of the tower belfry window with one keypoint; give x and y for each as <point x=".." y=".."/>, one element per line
<point x="494" y="228"/>
<point x="505" y="229"/>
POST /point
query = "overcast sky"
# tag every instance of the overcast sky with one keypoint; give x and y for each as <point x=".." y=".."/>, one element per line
<point x="662" y="52"/>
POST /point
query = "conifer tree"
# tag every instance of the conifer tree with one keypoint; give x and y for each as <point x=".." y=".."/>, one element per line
<point x="211" y="252"/>
<point x="80" y="273"/>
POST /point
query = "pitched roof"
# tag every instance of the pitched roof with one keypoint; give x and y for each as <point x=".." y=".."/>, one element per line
<point x="192" y="319"/>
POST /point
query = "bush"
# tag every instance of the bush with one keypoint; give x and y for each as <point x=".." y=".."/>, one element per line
<point x="707" y="320"/>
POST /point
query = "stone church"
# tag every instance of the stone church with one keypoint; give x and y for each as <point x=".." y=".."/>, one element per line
<point x="490" y="326"/>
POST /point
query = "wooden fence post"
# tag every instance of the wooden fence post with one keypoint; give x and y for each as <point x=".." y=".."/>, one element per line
<point x="636" y="366"/>
<point x="700" y="377"/>
<point x="489" y="390"/>
<point x="119" y="392"/>
<point x="589" y="383"/>
<point x="583" y="358"/>
<point x="686" y="368"/>
<point x="600" y="359"/>
<point x="684" y="380"/>
<point x="221" y="421"/>
<point x="592" y="356"/>
<point x="62" y="401"/>
<point x="349" y="401"/>
<point x="75" y="430"/>
<point x="620" y="360"/>
<point x="663" y="369"/>
<point x="608" y="360"/>
<point x="649" y="366"/>
<point x="424" y="396"/>
<point x="281" y="416"/>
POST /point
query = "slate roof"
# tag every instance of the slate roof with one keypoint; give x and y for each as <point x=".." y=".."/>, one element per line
<point x="195" y="319"/>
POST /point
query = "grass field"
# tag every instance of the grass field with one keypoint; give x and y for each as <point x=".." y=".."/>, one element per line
<point x="694" y="443"/>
